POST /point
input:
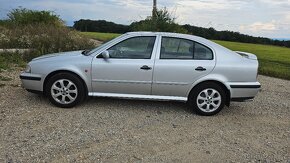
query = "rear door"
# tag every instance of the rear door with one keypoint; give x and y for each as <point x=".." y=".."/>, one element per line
<point x="178" y="64"/>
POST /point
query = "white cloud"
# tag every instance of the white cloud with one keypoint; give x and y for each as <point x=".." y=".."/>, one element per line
<point x="268" y="18"/>
<point x="259" y="26"/>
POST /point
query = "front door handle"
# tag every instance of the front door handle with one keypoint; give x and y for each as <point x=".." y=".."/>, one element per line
<point x="200" y="68"/>
<point x="145" y="67"/>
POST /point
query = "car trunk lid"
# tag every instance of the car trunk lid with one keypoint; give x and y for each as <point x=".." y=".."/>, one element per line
<point x="247" y="55"/>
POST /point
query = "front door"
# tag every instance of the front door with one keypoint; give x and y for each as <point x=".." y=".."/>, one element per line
<point x="129" y="68"/>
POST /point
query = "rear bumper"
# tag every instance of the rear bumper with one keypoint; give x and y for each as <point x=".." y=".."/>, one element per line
<point x="244" y="91"/>
<point x="31" y="82"/>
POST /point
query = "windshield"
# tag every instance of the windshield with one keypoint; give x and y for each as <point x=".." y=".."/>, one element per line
<point x="103" y="45"/>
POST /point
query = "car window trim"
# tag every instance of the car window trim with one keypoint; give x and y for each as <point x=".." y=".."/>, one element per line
<point x="100" y="56"/>
<point x="213" y="55"/>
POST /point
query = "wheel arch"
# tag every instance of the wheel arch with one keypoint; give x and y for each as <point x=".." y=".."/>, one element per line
<point x="225" y="88"/>
<point x="64" y="71"/>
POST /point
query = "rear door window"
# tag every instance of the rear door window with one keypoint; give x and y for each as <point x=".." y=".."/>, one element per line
<point x="177" y="48"/>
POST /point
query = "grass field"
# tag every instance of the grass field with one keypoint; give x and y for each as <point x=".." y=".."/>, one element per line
<point x="101" y="36"/>
<point x="274" y="60"/>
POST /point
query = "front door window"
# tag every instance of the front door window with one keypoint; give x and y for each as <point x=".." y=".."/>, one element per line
<point x="133" y="48"/>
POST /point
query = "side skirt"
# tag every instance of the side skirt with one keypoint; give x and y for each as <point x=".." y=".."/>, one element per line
<point x="135" y="96"/>
<point x="242" y="99"/>
<point x="34" y="91"/>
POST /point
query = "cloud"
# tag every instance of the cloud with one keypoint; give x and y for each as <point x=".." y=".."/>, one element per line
<point x="269" y="18"/>
<point x="259" y="26"/>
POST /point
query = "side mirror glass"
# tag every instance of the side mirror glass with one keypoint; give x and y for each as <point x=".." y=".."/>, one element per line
<point x="105" y="54"/>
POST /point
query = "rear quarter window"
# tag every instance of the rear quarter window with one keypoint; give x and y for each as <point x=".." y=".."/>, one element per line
<point x="202" y="52"/>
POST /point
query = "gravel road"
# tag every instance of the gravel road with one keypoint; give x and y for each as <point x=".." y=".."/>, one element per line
<point x="114" y="130"/>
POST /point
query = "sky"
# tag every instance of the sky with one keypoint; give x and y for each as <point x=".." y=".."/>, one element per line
<point x="265" y="18"/>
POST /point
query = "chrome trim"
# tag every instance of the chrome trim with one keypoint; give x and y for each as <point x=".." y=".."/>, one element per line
<point x="171" y="83"/>
<point x="135" y="96"/>
<point x="138" y="82"/>
<point x="121" y="81"/>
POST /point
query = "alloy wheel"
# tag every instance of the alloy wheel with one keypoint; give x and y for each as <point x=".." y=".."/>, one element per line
<point x="64" y="91"/>
<point x="209" y="100"/>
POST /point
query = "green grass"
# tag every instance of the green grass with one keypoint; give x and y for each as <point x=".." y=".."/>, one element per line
<point x="273" y="60"/>
<point x="100" y="36"/>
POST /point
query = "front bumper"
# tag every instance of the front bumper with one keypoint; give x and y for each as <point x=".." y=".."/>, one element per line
<point x="32" y="82"/>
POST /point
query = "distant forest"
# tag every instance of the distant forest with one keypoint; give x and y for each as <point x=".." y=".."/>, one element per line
<point x="209" y="33"/>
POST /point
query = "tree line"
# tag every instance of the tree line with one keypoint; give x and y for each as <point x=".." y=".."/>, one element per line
<point x="100" y="26"/>
<point x="164" y="22"/>
<point x="211" y="33"/>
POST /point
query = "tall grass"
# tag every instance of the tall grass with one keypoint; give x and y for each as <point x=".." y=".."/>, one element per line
<point x="43" y="38"/>
<point x="41" y="32"/>
<point x="9" y="60"/>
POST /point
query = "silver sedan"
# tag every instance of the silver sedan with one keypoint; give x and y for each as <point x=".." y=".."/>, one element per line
<point x="148" y="65"/>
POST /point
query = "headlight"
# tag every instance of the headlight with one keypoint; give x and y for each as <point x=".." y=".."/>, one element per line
<point x="27" y="69"/>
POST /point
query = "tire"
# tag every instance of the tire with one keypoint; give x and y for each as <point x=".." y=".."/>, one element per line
<point x="207" y="99"/>
<point x="61" y="94"/>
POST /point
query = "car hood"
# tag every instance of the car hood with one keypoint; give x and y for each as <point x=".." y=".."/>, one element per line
<point x="62" y="54"/>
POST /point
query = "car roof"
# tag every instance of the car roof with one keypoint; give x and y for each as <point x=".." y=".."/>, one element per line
<point x="161" y="33"/>
<point x="214" y="46"/>
<point x="169" y="34"/>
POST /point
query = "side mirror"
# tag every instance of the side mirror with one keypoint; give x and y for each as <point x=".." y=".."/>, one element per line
<point x="105" y="54"/>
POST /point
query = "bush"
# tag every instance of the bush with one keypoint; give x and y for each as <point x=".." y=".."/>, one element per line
<point x="43" y="38"/>
<point x="23" y="16"/>
<point x="42" y="31"/>
<point x="163" y="21"/>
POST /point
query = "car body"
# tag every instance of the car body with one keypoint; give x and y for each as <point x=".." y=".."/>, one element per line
<point x="148" y="65"/>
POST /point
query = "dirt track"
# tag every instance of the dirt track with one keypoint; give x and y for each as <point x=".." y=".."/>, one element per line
<point x="110" y="130"/>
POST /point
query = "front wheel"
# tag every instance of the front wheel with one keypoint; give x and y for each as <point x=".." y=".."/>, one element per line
<point x="65" y="90"/>
<point x="207" y="99"/>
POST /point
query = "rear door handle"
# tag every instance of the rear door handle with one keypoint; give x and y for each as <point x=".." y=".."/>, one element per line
<point x="200" y="68"/>
<point x="145" y="67"/>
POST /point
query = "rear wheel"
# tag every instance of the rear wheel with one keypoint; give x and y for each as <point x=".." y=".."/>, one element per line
<point x="65" y="90"/>
<point x="207" y="99"/>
